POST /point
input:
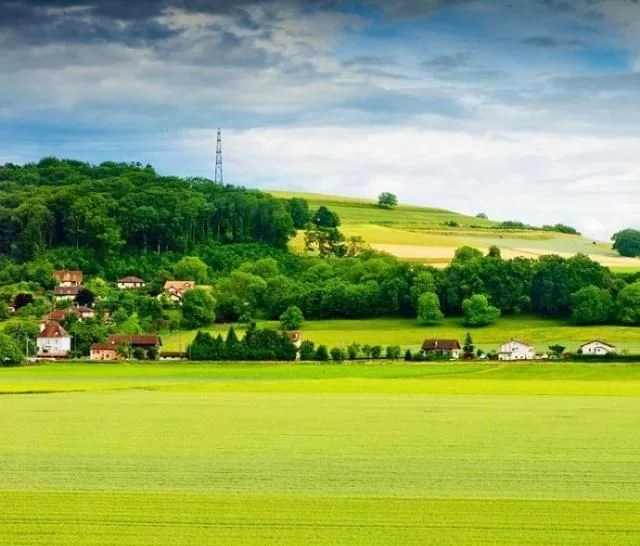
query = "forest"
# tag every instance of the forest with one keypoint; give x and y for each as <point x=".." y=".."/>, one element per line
<point x="116" y="219"/>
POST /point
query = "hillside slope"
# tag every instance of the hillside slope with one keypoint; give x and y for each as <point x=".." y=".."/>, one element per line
<point x="420" y="233"/>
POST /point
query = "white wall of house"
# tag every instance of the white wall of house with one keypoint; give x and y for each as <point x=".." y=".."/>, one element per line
<point x="514" y="350"/>
<point x="596" y="348"/>
<point x="129" y="285"/>
<point x="54" y="344"/>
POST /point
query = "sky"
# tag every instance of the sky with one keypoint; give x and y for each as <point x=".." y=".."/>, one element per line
<point x="522" y="109"/>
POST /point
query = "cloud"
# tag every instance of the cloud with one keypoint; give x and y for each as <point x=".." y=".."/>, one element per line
<point x="551" y="42"/>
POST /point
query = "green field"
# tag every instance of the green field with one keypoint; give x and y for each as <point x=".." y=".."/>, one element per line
<point x="418" y="233"/>
<point x="340" y="455"/>
<point x="409" y="334"/>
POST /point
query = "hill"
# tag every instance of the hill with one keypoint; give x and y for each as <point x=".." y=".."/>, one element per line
<point x="425" y="234"/>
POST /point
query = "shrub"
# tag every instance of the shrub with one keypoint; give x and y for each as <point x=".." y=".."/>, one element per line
<point x="337" y="354"/>
<point x="322" y="354"/>
<point x="292" y="318"/>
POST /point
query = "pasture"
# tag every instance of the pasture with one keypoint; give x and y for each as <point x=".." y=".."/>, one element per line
<point x="408" y="333"/>
<point x="418" y="233"/>
<point x="344" y="455"/>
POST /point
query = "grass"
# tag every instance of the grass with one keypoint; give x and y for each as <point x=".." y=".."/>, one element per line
<point x="409" y="334"/>
<point x="341" y="455"/>
<point x="412" y="232"/>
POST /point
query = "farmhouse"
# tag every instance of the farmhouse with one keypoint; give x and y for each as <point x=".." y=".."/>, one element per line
<point x="127" y="283"/>
<point x="516" y="350"/>
<point x="596" y="347"/>
<point x="441" y="348"/>
<point x="68" y="278"/>
<point x="68" y="292"/>
<point x="58" y="315"/>
<point x="53" y="341"/>
<point x="103" y="351"/>
<point x="175" y="289"/>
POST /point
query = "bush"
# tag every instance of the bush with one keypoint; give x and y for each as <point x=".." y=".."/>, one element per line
<point x="393" y="352"/>
<point x="138" y="353"/>
<point x="408" y="356"/>
<point x="337" y="354"/>
<point x="353" y="351"/>
<point x="307" y="350"/>
<point x="376" y="351"/>
<point x="322" y="354"/>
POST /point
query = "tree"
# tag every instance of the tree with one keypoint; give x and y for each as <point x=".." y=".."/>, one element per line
<point x="10" y="354"/>
<point x="408" y="356"/>
<point x="494" y="252"/>
<point x="337" y="354"/>
<point x="85" y="297"/>
<point x="393" y="352"/>
<point x="376" y="351"/>
<point x="299" y="212"/>
<point x="387" y="200"/>
<point x="478" y="312"/>
<point x="423" y="282"/>
<point x="292" y="318"/>
<point x="152" y="353"/>
<point x="465" y="254"/>
<point x="482" y="215"/>
<point x="429" y="309"/>
<point x="366" y="351"/>
<point x="591" y="305"/>
<point x="556" y="350"/>
<point x="627" y="242"/>
<point x="24" y="334"/>
<point x="353" y="350"/>
<point x="138" y="353"/>
<point x="124" y="350"/>
<point x="628" y="304"/>
<point x="325" y="218"/>
<point x="468" y="347"/>
<point x="198" y="308"/>
<point x="321" y="353"/>
<point x="191" y="268"/>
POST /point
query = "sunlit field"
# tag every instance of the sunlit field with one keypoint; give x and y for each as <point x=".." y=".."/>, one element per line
<point x="409" y="334"/>
<point x="419" y="233"/>
<point x="347" y="455"/>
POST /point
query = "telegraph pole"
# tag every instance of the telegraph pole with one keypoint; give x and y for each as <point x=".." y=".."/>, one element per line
<point x="218" y="179"/>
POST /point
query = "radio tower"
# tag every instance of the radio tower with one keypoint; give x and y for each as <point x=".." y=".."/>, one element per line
<point x="218" y="176"/>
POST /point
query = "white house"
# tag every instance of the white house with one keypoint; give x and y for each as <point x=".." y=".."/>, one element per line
<point x="126" y="283"/>
<point x="53" y="341"/>
<point x="596" y="347"/>
<point x="516" y="350"/>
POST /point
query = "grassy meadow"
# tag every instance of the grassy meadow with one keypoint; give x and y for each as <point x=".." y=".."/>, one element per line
<point x="408" y="333"/>
<point x="345" y="455"/>
<point x="418" y="233"/>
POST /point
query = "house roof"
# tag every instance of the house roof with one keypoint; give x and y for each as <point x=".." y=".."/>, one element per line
<point x="53" y="329"/>
<point x="179" y="286"/>
<point x="435" y="344"/>
<point x="66" y="275"/>
<point x="519" y="341"/>
<point x="598" y="341"/>
<point x="130" y="280"/>
<point x="67" y="290"/>
<point x="117" y="339"/>
<point x="102" y="347"/>
<point x="57" y="315"/>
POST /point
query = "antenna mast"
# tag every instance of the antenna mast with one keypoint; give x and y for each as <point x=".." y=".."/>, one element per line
<point x="218" y="176"/>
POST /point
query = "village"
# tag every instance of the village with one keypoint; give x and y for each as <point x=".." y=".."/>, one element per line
<point x="56" y="343"/>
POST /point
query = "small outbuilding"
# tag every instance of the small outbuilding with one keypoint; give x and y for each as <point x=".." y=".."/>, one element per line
<point x="103" y="351"/>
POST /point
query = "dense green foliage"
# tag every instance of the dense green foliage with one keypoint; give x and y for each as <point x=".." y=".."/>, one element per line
<point x="387" y="200"/>
<point x="478" y="312"/>
<point x="198" y="308"/>
<point x="627" y="242"/>
<point x="257" y="344"/>
<point x="292" y="318"/>
<point x="429" y="308"/>
<point x="10" y="353"/>
<point x="114" y="206"/>
<point x="591" y="305"/>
